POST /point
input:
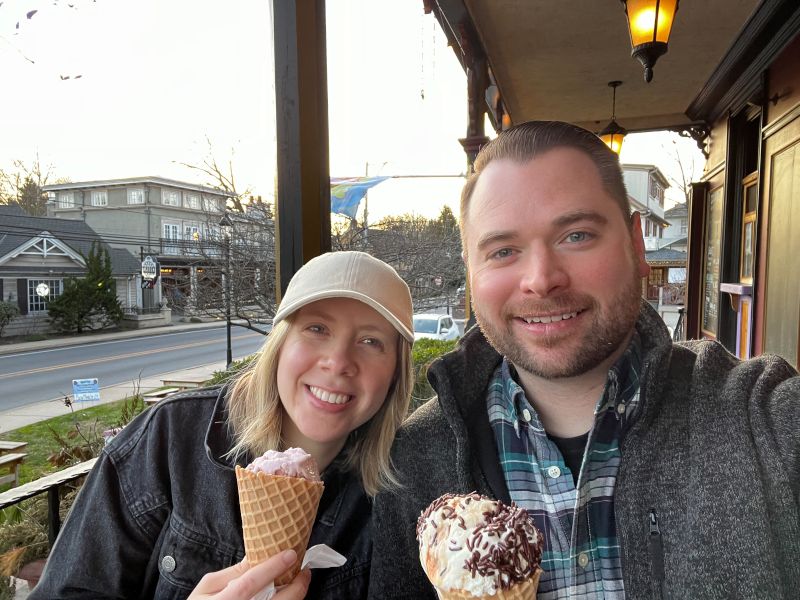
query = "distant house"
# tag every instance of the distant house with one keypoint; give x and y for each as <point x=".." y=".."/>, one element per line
<point x="646" y="185"/>
<point x="153" y="216"/>
<point x="678" y="233"/>
<point x="44" y="250"/>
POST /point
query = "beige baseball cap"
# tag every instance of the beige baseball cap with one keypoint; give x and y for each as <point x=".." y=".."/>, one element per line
<point x="354" y="275"/>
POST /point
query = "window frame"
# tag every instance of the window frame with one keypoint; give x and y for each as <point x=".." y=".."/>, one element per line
<point x="38" y="305"/>
<point x="130" y="193"/>
<point x="191" y="200"/>
<point x="171" y="194"/>
<point x="97" y="194"/>
<point x="748" y="219"/>
<point x="62" y="196"/>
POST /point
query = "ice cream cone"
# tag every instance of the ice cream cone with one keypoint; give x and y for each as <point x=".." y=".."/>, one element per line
<point x="277" y="514"/>
<point x="524" y="590"/>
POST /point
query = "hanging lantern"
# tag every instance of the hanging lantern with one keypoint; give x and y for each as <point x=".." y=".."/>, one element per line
<point x="613" y="133"/>
<point x="649" y="25"/>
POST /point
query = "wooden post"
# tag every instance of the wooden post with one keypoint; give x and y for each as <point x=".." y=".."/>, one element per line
<point x="303" y="223"/>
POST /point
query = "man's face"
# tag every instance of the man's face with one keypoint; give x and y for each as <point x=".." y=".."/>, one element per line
<point x="554" y="266"/>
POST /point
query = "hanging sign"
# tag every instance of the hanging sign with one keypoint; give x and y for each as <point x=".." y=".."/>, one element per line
<point x="149" y="268"/>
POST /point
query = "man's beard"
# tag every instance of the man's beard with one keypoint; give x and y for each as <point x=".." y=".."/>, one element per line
<point x="604" y="335"/>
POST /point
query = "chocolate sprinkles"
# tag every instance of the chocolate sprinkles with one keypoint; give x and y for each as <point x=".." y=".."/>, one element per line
<point x="506" y="546"/>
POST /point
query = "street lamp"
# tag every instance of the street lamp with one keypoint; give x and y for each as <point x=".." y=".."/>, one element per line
<point x="227" y="225"/>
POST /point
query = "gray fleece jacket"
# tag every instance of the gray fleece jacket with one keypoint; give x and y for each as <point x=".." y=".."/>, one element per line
<point x="707" y="499"/>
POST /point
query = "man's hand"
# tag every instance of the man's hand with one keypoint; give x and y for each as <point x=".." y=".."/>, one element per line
<point x="242" y="582"/>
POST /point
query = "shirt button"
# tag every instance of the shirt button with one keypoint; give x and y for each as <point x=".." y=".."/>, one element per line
<point x="168" y="564"/>
<point x="583" y="559"/>
<point x="526" y="414"/>
<point x="553" y="472"/>
<point x="620" y="408"/>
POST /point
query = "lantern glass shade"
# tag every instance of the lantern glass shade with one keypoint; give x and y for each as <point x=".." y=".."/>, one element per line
<point x="613" y="141"/>
<point x="650" y="20"/>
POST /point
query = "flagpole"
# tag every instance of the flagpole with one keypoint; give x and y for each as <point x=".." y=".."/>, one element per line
<point x="366" y="207"/>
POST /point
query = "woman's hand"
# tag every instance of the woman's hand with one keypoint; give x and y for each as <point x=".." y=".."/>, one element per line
<point x="242" y="582"/>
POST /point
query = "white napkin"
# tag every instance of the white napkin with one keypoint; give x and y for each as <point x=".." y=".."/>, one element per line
<point x="316" y="557"/>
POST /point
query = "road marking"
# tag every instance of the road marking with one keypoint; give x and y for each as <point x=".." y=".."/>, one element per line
<point x="138" y="337"/>
<point x="118" y="357"/>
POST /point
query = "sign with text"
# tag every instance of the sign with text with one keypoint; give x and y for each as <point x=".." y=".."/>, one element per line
<point x="149" y="268"/>
<point x="85" y="390"/>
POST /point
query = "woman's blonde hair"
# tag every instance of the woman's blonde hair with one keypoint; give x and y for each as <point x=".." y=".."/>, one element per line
<point x="255" y="413"/>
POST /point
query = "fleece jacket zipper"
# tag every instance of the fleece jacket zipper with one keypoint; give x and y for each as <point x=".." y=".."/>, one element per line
<point x="656" y="548"/>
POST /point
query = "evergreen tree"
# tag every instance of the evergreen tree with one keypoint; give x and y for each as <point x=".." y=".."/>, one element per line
<point x="90" y="302"/>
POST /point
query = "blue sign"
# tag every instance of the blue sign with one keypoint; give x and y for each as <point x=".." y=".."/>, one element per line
<point x="85" y="390"/>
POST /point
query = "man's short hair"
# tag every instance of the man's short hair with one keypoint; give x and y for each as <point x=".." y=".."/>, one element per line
<point x="526" y="141"/>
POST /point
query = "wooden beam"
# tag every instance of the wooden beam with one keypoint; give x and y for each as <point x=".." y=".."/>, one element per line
<point x="303" y="228"/>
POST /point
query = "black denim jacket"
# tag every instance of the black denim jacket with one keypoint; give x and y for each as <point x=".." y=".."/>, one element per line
<point x="160" y="510"/>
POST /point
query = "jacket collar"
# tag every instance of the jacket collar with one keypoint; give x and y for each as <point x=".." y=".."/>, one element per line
<point x="218" y="438"/>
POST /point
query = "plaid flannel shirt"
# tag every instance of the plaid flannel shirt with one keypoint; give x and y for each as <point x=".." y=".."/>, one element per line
<point x="581" y="557"/>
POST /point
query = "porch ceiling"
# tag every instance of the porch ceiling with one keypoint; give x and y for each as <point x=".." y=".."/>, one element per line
<point x="553" y="60"/>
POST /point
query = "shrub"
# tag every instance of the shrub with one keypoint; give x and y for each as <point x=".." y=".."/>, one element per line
<point x="424" y="353"/>
<point x="90" y="302"/>
<point x="220" y="377"/>
<point x="8" y="312"/>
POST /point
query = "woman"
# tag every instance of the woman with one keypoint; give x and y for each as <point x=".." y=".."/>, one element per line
<point x="160" y="508"/>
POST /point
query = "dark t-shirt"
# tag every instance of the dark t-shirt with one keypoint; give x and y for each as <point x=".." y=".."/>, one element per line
<point x="572" y="450"/>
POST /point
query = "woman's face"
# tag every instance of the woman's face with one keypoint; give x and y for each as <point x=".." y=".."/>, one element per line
<point x="334" y="372"/>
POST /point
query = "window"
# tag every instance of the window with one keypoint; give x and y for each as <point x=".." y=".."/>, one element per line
<point x="712" y="262"/>
<point x="748" y="249"/>
<point x="136" y="196"/>
<point x="684" y="225"/>
<point x="210" y="204"/>
<point x="38" y="297"/>
<point x="192" y="201"/>
<point x="171" y="237"/>
<point x="191" y="231"/>
<point x="170" y="197"/>
<point x="66" y="200"/>
<point x="100" y="198"/>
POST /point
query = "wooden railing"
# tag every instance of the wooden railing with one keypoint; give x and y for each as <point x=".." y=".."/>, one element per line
<point x="50" y="484"/>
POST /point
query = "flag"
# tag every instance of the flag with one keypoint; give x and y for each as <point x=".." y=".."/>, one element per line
<point x="347" y="193"/>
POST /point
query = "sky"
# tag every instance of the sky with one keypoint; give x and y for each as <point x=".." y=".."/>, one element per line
<point x="166" y="82"/>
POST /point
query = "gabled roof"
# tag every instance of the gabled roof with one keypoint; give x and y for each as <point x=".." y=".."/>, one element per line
<point x="18" y="228"/>
<point x="679" y="210"/>
<point x="154" y="180"/>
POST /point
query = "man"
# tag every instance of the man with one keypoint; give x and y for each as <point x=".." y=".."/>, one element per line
<point x="653" y="469"/>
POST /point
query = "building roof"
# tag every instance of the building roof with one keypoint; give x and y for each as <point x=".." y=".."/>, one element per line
<point x="17" y="227"/>
<point x="666" y="257"/>
<point x="163" y="181"/>
<point x="679" y="210"/>
<point x="650" y="169"/>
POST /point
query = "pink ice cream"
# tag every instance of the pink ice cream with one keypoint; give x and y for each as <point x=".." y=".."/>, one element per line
<point x="292" y="462"/>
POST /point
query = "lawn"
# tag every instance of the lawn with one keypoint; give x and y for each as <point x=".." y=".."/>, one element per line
<point x="42" y="441"/>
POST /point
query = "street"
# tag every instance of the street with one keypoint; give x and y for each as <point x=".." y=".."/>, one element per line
<point x="41" y="375"/>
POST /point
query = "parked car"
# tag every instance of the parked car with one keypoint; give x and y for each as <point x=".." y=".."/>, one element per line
<point x="435" y="327"/>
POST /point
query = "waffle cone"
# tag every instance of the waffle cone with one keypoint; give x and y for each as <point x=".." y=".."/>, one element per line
<point x="277" y="514"/>
<point x="525" y="590"/>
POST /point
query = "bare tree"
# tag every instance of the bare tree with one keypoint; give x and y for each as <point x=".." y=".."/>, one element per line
<point x="425" y="252"/>
<point x="687" y="170"/>
<point x="221" y="177"/>
<point x="23" y="185"/>
<point x="246" y="258"/>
